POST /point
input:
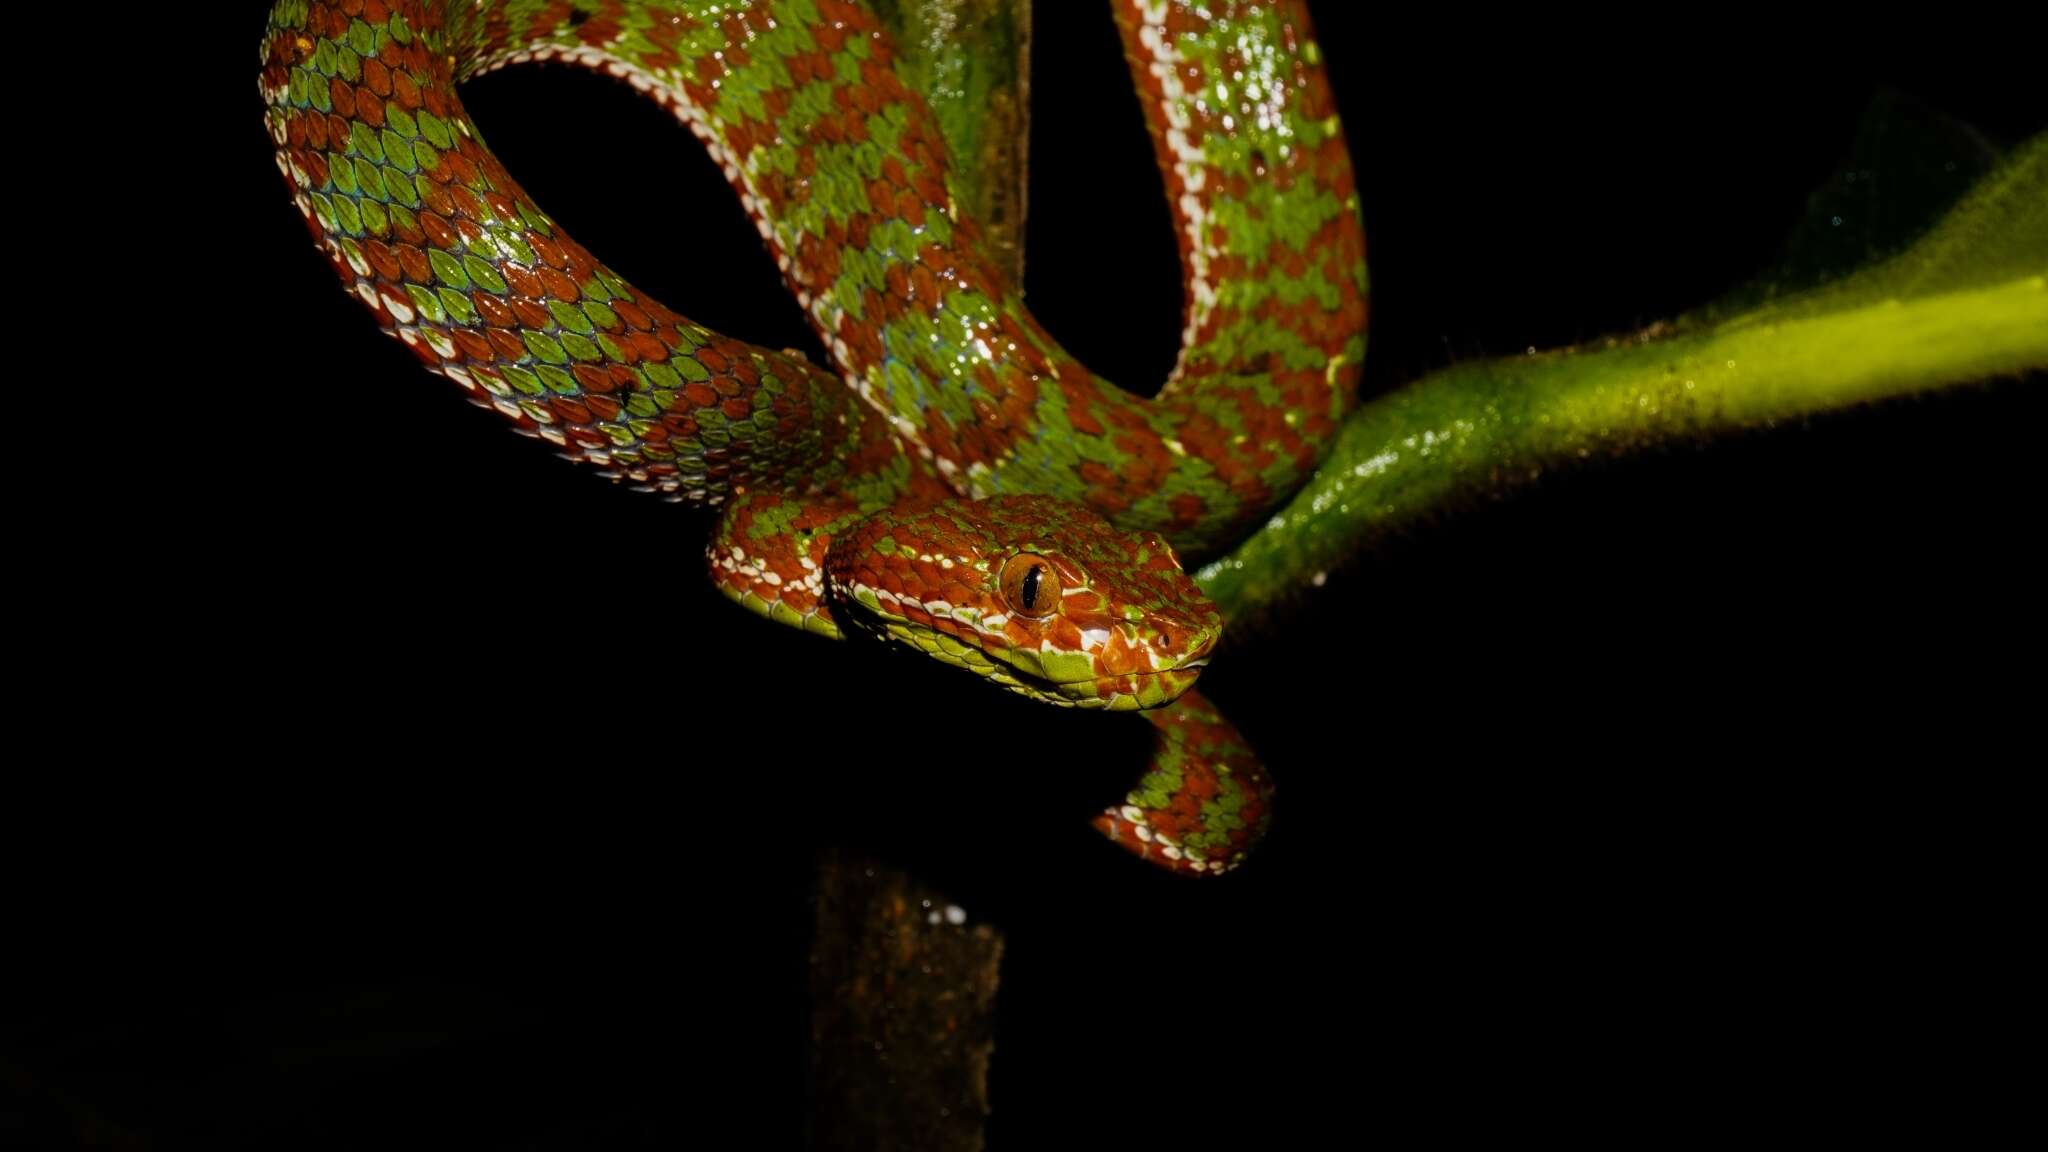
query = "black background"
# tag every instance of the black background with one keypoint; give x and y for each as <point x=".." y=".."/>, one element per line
<point x="1678" y="796"/>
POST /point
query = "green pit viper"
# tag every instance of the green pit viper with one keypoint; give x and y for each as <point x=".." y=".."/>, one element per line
<point x="959" y="483"/>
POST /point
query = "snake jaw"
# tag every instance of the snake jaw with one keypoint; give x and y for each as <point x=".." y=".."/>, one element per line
<point x="1118" y="668"/>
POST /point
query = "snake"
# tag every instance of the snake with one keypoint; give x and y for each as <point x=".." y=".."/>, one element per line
<point x="956" y="482"/>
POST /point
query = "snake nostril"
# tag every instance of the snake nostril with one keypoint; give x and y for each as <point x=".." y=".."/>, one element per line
<point x="1185" y="642"/>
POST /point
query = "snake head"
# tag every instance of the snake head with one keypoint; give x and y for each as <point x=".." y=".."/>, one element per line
<point x="1042" y="596"/>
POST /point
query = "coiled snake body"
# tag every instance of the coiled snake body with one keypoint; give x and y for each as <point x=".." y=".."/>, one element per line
<point x="948" y="486"/>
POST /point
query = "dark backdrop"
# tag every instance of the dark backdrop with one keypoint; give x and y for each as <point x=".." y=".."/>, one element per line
<point x="1671" y="796"/>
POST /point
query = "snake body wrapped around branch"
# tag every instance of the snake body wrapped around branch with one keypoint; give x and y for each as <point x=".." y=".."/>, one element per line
<point x="953" y="416"/>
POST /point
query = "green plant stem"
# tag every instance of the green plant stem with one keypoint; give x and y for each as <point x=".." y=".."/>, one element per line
<point x="970" y="60"/>
<point x="1913" y="324"/>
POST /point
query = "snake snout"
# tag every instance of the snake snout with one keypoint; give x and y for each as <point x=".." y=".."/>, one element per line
<point x="1183" y="643"/>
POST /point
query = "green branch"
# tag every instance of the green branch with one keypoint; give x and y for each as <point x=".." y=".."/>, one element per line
<point x="1967" y="303"/>
<point x="970" y="60"/>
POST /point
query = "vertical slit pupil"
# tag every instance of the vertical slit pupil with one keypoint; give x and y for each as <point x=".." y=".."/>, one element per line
<point x="1030" y="590"/>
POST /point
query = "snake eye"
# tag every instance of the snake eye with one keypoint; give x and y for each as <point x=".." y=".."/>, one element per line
<point x="1030" y="586"/>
